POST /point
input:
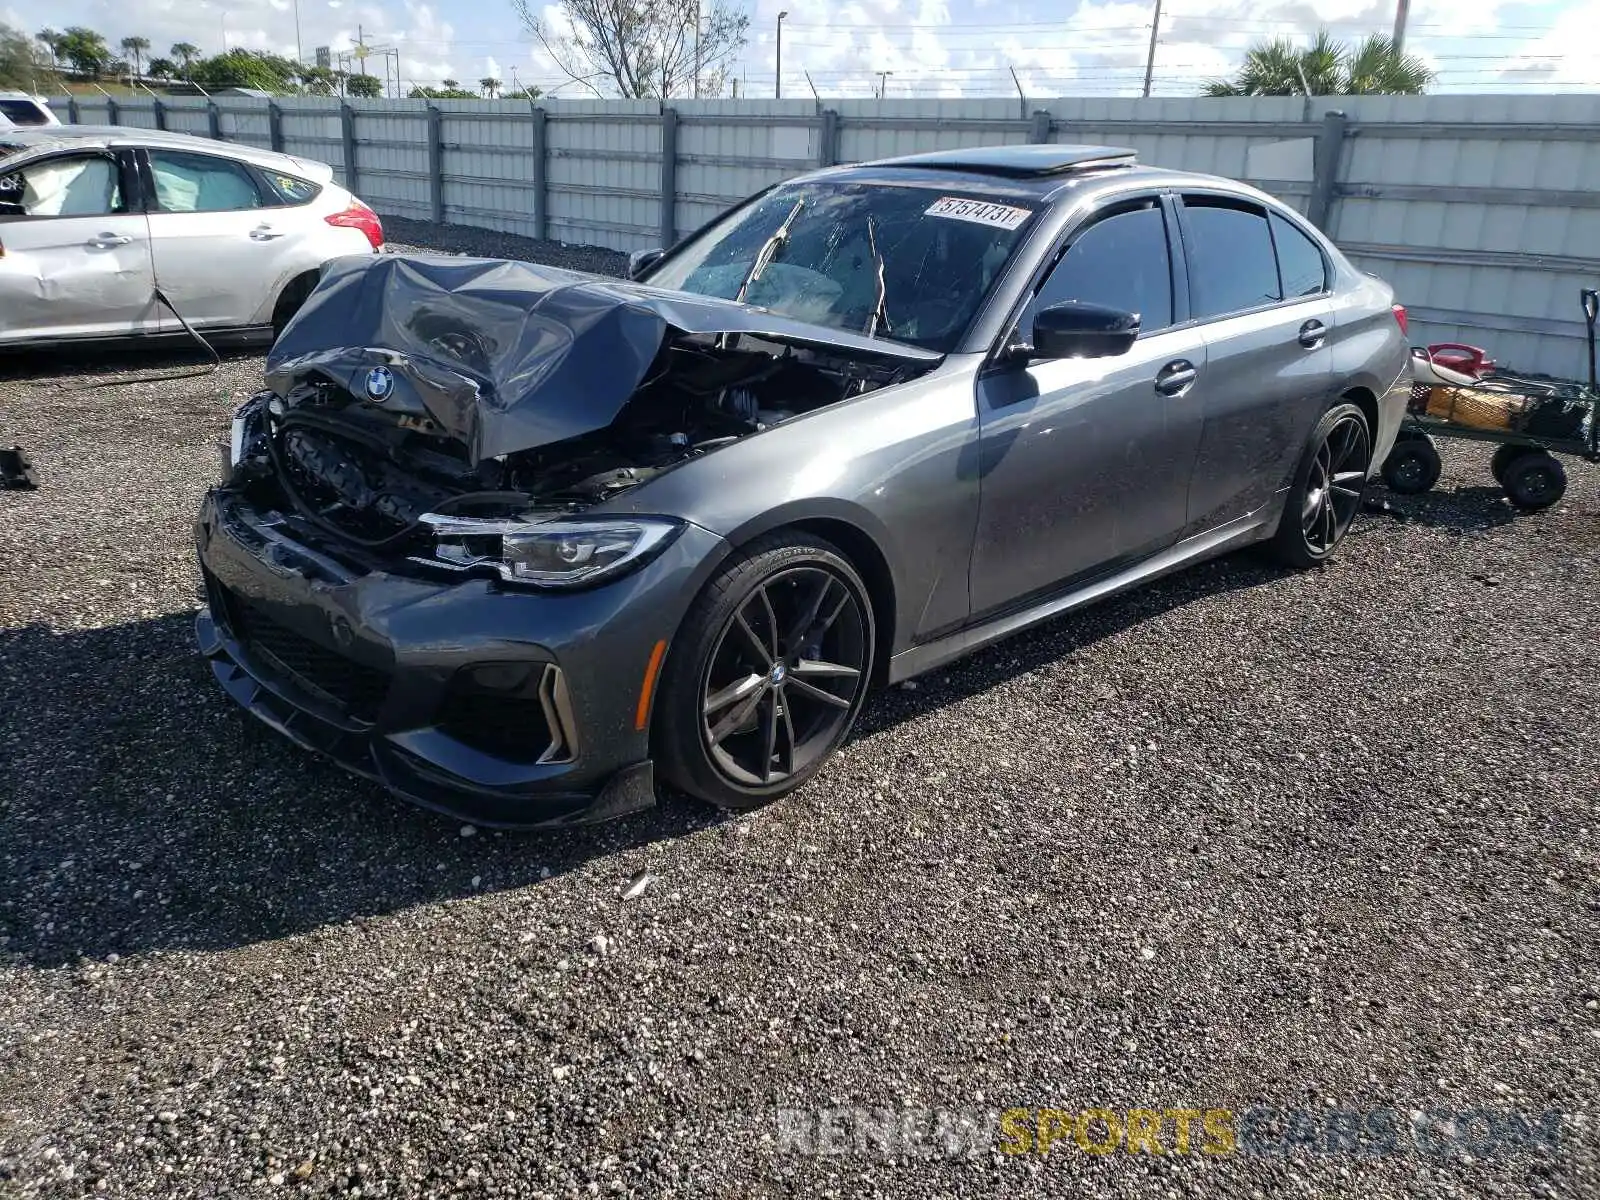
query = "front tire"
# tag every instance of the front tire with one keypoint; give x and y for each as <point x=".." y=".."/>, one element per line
<point x="767" y="675"/>
<point x="1326" y="494"/>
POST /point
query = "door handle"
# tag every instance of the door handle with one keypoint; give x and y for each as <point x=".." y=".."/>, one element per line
<point x="1176" y="377"/>
<point x="105" y="241"/>
<point x="264" y="233"/>
<point x="1311" y="334"/>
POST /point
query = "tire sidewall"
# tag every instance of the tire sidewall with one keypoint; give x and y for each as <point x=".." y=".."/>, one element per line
<point x="1290" y="544"/>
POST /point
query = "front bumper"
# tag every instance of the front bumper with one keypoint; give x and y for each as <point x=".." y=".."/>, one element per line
<point x="385" y="673"/>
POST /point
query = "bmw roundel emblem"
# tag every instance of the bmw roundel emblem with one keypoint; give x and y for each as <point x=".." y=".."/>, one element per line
<point x="380" y="382"/>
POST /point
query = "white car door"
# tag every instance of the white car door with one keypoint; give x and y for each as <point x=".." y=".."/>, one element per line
<point x="221" y="251"/>
<point x="74" y="260"/>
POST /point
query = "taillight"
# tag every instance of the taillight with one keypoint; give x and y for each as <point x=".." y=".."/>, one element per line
<point x="1400" y="319"/>
<point x="359" y="216"/>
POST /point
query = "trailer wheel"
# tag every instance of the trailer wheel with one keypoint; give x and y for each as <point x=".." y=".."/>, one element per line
<point x="1535" y="480"/>
<point x="1412" y="466"/>
<point x="1502" y="459"/>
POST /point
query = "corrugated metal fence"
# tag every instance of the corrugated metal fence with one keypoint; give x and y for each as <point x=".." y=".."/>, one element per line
<point x="1484" y="212"/>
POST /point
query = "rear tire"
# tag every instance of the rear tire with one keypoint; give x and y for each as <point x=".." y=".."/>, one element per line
<point x="1535" y="480"/>
<point x="1413" y="466"/>
<point x="1326" y="494"/>
<point x="767" y="673"/>
<point x="1503" y="458"/>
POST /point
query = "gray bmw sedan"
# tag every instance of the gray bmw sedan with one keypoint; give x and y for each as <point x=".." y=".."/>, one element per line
<point x="514" y="540"/>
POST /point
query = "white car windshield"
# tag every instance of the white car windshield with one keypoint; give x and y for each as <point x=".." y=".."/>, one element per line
<point x="906" y="262"/>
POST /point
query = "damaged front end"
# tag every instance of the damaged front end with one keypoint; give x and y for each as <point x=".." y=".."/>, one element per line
<point x="462" y="416"/>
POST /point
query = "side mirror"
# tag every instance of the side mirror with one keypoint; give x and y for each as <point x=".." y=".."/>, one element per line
<point x="641" y="261"/>
<point x="1079" y="330"/>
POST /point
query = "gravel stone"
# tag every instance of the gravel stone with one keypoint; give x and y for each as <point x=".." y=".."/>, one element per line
<point x="1354" y="810"/>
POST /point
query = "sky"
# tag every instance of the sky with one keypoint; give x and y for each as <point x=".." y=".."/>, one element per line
<point x="928" y="47"/>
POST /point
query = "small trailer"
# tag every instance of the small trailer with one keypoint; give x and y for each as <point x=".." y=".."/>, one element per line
<point x="1458" y="392"/>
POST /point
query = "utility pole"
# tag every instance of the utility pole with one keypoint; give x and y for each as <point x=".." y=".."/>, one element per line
<point x="1150" y="62"/>
<point x="778" y="91"/>
<point x="1400" y="15"/>
<point x="883" y="83"/>
<point x="299" y="54"/>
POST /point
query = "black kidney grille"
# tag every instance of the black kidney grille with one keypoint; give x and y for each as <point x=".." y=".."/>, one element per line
<point x="351" y="685"/>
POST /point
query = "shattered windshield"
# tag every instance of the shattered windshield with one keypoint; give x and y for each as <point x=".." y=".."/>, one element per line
<point x="909" y="263"/>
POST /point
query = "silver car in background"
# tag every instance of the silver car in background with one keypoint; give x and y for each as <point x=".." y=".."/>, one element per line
<point x="109" y="233"/>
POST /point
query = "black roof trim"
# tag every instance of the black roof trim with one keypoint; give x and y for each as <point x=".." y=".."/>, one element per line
<point x="1016" y="162"/>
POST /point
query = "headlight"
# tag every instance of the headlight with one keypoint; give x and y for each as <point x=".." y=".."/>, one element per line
<point x="557" y="553"/>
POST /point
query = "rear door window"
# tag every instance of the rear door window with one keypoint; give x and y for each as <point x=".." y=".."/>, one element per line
<point x="201" y="183"/>
<point x="1232" y="266"/>
<point x="1300" y="263"/>
<point x="1121" y="261"/>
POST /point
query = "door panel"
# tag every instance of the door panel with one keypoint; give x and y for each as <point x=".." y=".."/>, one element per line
<point x="76" y="263"/>
<point x="1261" y="394"/>
<point x="1268" y="368"/>
<point x="219" y="251"/>
<point x="1084" y="465"/>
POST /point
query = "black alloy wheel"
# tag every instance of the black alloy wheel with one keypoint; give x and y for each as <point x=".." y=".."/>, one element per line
<point x="1328" y="487"/>
<point x="784" y="677"/>
<point x="767" y="675"/>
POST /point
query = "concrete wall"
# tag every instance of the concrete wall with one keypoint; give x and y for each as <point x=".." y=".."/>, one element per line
<point x="1483" y="211"/>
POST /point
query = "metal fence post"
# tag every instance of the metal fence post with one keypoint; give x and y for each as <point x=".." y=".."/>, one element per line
<point x="1325" y="170"/>
<point x="213" y="120"/>
<point x="669" y="176"/>
<point x="436" y="164"/>
<point x="347" y="133"/>
<point x="1040" y="132"/>
<point x="541" y="173"/>
<point x="72" y="111"/>
<point x="113" y="111"/>
<point x="160" y="111"/>
<point x="275" y="126"/>
<point x="828" y="139"/>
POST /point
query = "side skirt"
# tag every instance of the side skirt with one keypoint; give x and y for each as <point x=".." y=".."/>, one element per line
<point x="937" y="653"/>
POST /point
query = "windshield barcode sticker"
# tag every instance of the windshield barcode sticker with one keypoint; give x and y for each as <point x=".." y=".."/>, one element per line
<point x="1001" y="216"/>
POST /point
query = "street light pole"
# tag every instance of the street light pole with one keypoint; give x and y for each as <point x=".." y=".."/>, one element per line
<point x="1400" y="15"/>
<point x="299" y="52"/>
<point x="778" y="91"/>
<point x="883" y="84"/>
<point x="1150" y="63"/>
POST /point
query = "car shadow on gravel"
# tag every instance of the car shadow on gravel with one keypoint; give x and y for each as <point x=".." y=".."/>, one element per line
<point x="145" y="811"/>
<point x="141" y="810"/>
<point x="1461" y="510"/>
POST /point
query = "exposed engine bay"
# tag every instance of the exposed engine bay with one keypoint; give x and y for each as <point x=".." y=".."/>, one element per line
<point x="353" y="466"/>
<point x="485" y="390"/>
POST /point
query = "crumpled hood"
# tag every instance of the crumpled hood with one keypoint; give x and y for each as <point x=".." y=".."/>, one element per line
<point x="508" y="356"/>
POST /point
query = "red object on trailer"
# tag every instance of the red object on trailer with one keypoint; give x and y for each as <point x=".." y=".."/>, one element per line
<point x="1455" y="356"/>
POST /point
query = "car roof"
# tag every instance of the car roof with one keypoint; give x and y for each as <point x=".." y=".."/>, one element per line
<point x="1015" y="162"/>
<point x="49" y="137"/>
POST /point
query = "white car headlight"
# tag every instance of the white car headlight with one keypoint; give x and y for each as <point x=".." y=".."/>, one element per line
<point x="560" y="552"/>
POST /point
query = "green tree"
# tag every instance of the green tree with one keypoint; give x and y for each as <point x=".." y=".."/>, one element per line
<point x="22" y="65"/>
<point x="52" y="38"/>
<point x="161" y="68"/>
<point x="319" y="81"/>
<point x="364" y="86"/>
<point x="86" y="50"/>
<point x="186" y="53"/>
<point x="451" y="91"/>
<point x="451" y="85"/>
<point x="135" y="48"/>
<point x="639" y="48"/>
<point x="247" y="68"/>
<point x="1325" y="68"/>
<point x="491" y="86"/>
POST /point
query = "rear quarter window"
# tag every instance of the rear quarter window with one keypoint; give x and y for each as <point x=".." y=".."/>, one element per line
<point x="23" y="112"/>
<point x="289" y="189"/>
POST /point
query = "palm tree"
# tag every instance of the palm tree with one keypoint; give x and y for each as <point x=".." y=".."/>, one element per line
<point x="1326" y="68"/>
<point x="136" y="46"/>
<point x="185" y="53"/>
<point x="52" y="38"/>
<point x="490" y="85"/>
<point x="451" y="84"/>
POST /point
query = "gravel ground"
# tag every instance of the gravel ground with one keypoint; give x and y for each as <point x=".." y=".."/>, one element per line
<point x="1245" y="838"/>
